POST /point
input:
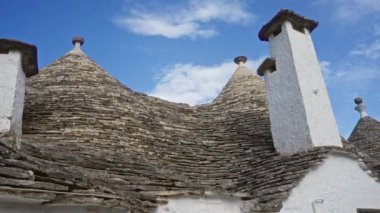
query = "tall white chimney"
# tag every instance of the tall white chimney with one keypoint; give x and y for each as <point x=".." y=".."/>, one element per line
<point x="17" y="61"/>
<point x="299" y="106"/>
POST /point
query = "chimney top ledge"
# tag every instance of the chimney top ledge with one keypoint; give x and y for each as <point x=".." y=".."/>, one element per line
<point x="283" y="15"/>
<point x="269" y="64"/>
<point x="28" y="51"/>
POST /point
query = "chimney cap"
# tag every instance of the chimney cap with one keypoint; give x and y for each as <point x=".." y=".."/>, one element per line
<point x="28" y="51"/>
<point x="269" y="64"/>
<point x="239" y="59"/>
<point x="78" y="39"/>
<point x="283" y="15"/>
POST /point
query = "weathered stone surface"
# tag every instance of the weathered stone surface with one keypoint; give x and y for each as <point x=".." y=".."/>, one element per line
<point x="93" y="140"/>
<point x="366" y="138"/>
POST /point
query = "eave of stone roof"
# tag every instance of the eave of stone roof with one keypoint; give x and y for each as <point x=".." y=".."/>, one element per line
<point x="281" y="174"/>
<point x="33" y="173"/>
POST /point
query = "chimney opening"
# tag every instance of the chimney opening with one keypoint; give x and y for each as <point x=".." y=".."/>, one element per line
<point x="276" y="32"/>
<point x="298" y="28"/>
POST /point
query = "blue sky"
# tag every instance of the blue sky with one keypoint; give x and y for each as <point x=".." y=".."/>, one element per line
<point x="183" y="50"/>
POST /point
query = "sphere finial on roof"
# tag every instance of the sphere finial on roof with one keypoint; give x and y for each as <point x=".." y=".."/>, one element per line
<point x="240" y="60"/>
<point x="78" y="39"/>
<point x="360" y="107"/>
<point x="358" y="100"/>
<point x="78" y="42"/>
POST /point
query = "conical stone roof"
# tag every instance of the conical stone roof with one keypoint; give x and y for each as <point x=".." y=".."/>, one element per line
<point x="74" y="103"/>
<point x="366" y="136"/>
<point x="68" y="92"/>
<point x="77" y="107"/>
<point x="244" y="90"/>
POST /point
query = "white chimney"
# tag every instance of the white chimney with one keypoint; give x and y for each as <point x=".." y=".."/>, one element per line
<point x="299" y="106"/>
<point x="17" y="61"/>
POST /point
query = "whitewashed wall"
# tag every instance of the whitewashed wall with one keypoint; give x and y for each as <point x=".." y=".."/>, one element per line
<point x="319" y="114"/>
<point x="12" y="92"/>
<point x="339" y="185"/>
<point x="201" y="205"/>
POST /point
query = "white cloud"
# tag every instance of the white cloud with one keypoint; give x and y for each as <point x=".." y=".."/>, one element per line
<point x="191" y="21"/>
<point x="326" y="70"/>
<point x="371" y="51"/>
<point x="195" y="84"/>
<point x="354" y="10"/>
<point x="356" y="74"/>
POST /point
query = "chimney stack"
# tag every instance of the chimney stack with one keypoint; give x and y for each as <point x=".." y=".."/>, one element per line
<point x="299" y="106"/>
<point x="17" y="61"/>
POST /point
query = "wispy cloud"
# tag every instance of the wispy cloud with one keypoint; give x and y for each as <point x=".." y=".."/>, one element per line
<point x="193" y="20"/>
<point x="371" y="51"/>
<point x="326" y="70"/>
<point x="351" y="11"/>
<point x="195" y="84"/>
<point x="358" y="73"/>
<point x="359" y="67"/>
<point x="354" y="10"/>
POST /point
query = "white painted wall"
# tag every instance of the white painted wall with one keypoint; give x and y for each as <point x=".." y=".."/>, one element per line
<point x="340" y="183"/>
<point x="319" y="114"/>
<point x="12" y="92"/>
<point x="299" y="107"/>
<point x="200" y="205"/>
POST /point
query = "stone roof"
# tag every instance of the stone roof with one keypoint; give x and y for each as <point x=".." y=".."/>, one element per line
<point x="89" y="139"/>
<point x="366" y="138"/>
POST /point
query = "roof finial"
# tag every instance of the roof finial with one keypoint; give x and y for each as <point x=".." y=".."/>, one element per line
<point x="78" y="39"/>
<point x="360" y="107"/>
<point x="78" y="42"/>
<point x="240" y="60"/>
